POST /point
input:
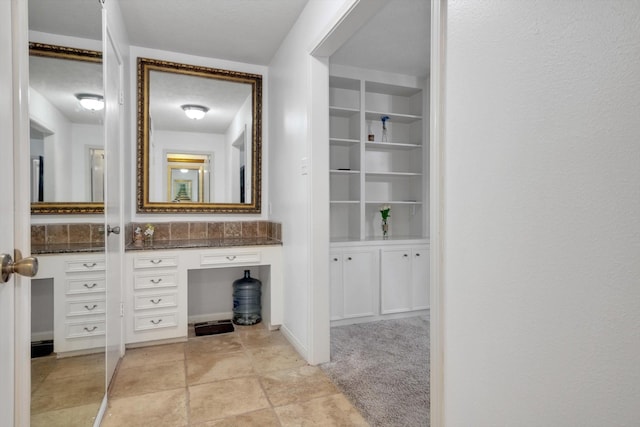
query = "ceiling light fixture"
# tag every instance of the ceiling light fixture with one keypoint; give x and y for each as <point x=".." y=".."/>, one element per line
<point x="195" y="112"/>
<point x="90" y="101"/>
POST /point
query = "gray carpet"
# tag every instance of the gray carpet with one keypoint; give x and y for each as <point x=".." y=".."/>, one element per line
<point x="383" y="368"/>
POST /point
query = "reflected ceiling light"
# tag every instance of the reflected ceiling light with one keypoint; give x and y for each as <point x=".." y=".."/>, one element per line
<point x="91" y="101"/>
<point x="195" y="112"/>
<point x="184" y="170"/>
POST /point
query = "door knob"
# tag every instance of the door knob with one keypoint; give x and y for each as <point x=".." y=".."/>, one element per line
<point x="114" y="230"/>
<point x="27" y="267"/>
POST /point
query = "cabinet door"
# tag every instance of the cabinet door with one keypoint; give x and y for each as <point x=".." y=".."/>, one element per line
<point x="395" y="280"/>
<point x="336" y="290"/>
<point x="420" y="273"/>
<point x="359" y="281"/>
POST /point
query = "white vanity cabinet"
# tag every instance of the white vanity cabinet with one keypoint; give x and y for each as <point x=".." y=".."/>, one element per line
<point x="153" y="297"/>
<point x="79" y="301"/>
<point x="404" y="279"/>
<point x="156" y="287"/>
<point x="354" y="283"/>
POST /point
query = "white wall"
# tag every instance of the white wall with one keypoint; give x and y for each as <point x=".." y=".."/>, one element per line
<point x="290" y="105"/>
<point x="57" y="147"/>
<point x="542" y="213"/>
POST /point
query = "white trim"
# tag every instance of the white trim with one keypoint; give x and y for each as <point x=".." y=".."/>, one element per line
<point x="101" y="411"/>
<point x="22" y="210"/>
<point x="437" y="212"/>
<point x="295" y="343"/>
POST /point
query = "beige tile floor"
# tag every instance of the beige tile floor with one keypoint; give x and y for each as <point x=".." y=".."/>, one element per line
<point x="66" y="392"/>
<point x="251" y="377"/>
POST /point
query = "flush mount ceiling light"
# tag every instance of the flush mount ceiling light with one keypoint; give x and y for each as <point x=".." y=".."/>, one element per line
<point x="90" y="101"/>
<point x="195" y="112"/>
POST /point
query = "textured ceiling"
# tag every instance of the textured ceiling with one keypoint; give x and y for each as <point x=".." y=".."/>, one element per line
<point x="238" y="30"/>
<point x="251" y="31"/>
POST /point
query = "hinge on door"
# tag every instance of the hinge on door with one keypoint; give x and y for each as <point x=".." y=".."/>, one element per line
<point x="121" y="98"/>
<point x="121" y="309"/>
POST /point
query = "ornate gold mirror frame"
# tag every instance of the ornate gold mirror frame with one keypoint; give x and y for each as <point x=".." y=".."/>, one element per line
<point x="144" y="153"/>
<point x="62" y="52"/>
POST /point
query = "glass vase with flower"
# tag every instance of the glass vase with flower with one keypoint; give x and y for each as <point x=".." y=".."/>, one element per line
<point x="385" y="213"/>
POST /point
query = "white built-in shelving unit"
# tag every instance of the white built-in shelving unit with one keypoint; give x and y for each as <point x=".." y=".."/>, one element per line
<point x="365" y="174"/>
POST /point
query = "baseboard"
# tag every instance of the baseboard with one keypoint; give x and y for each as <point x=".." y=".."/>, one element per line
<point x="101" y="412"/>
<point x="301" y="349"/>
<point x="41" y="336"/>
<point x="378" y="317"/>
<point x="209" y="317"/>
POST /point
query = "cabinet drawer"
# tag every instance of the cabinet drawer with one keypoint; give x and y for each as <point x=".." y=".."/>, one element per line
<point x="155" y="279"/>
<point x="86" y="285"/>
<point x="156" y="300"/>
<point x="85" y="307"/>
<point x="155" y="321"/>
<point x="87" y="328"/>
<point x="230" y="258"/>
<point x="154" y="261"/>
<point x="84" y="265"/>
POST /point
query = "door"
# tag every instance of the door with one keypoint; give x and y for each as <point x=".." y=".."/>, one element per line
<point x="420" y="271"/>
<point x="15" y="322"/>
<point x="395" y="280"/>
<point x="113" y="127"/>
<point x="360" y="282"/>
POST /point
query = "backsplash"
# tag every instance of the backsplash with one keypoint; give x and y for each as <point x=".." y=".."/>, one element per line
<point x="42" y="234"/>
<point x="209" y="230"/>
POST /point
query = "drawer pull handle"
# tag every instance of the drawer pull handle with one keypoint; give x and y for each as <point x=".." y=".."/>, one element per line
<point x="155" y="261"/>
<point x="335" y="259"/>
<point x="349" y="259"/>
<point x="90" y="330"/>
<point x="156" y="301"/>
<point x="156" y="322"/>
<point x="90" y="286"/>
<point x="405" y="255"/>
<point x="86" y="265"/>
<point x="156" y="281"/>
<point x="93" y="307"/>
<point x="231" y="257"/>
<point x="417" y="254"/>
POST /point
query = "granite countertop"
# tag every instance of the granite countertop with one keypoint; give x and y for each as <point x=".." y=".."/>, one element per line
<point x="204" y="243"/>
<point x="66" y="248"/>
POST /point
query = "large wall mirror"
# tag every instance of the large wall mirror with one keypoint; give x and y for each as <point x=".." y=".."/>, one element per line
<point x="199" y="139"/>
<point x="67" y="137"/>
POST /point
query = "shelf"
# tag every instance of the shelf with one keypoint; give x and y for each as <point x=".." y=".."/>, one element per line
<point x="343" y="172"/>
<point x="390" y="89"/>
<point x="394" y="202"/>
<point x="379" y="146"/>
<point x="392" y="174"/>
<point x="378" y="173"/>
<point x="343" y="142"/>
<point x="393" y="118"/>
<point x="344" y="83"/>
<point x="343" y="111"/>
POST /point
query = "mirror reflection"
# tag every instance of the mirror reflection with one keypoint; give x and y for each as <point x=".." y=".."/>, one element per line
<point x="67" y="138"/>
<point x="199" y="139"/>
